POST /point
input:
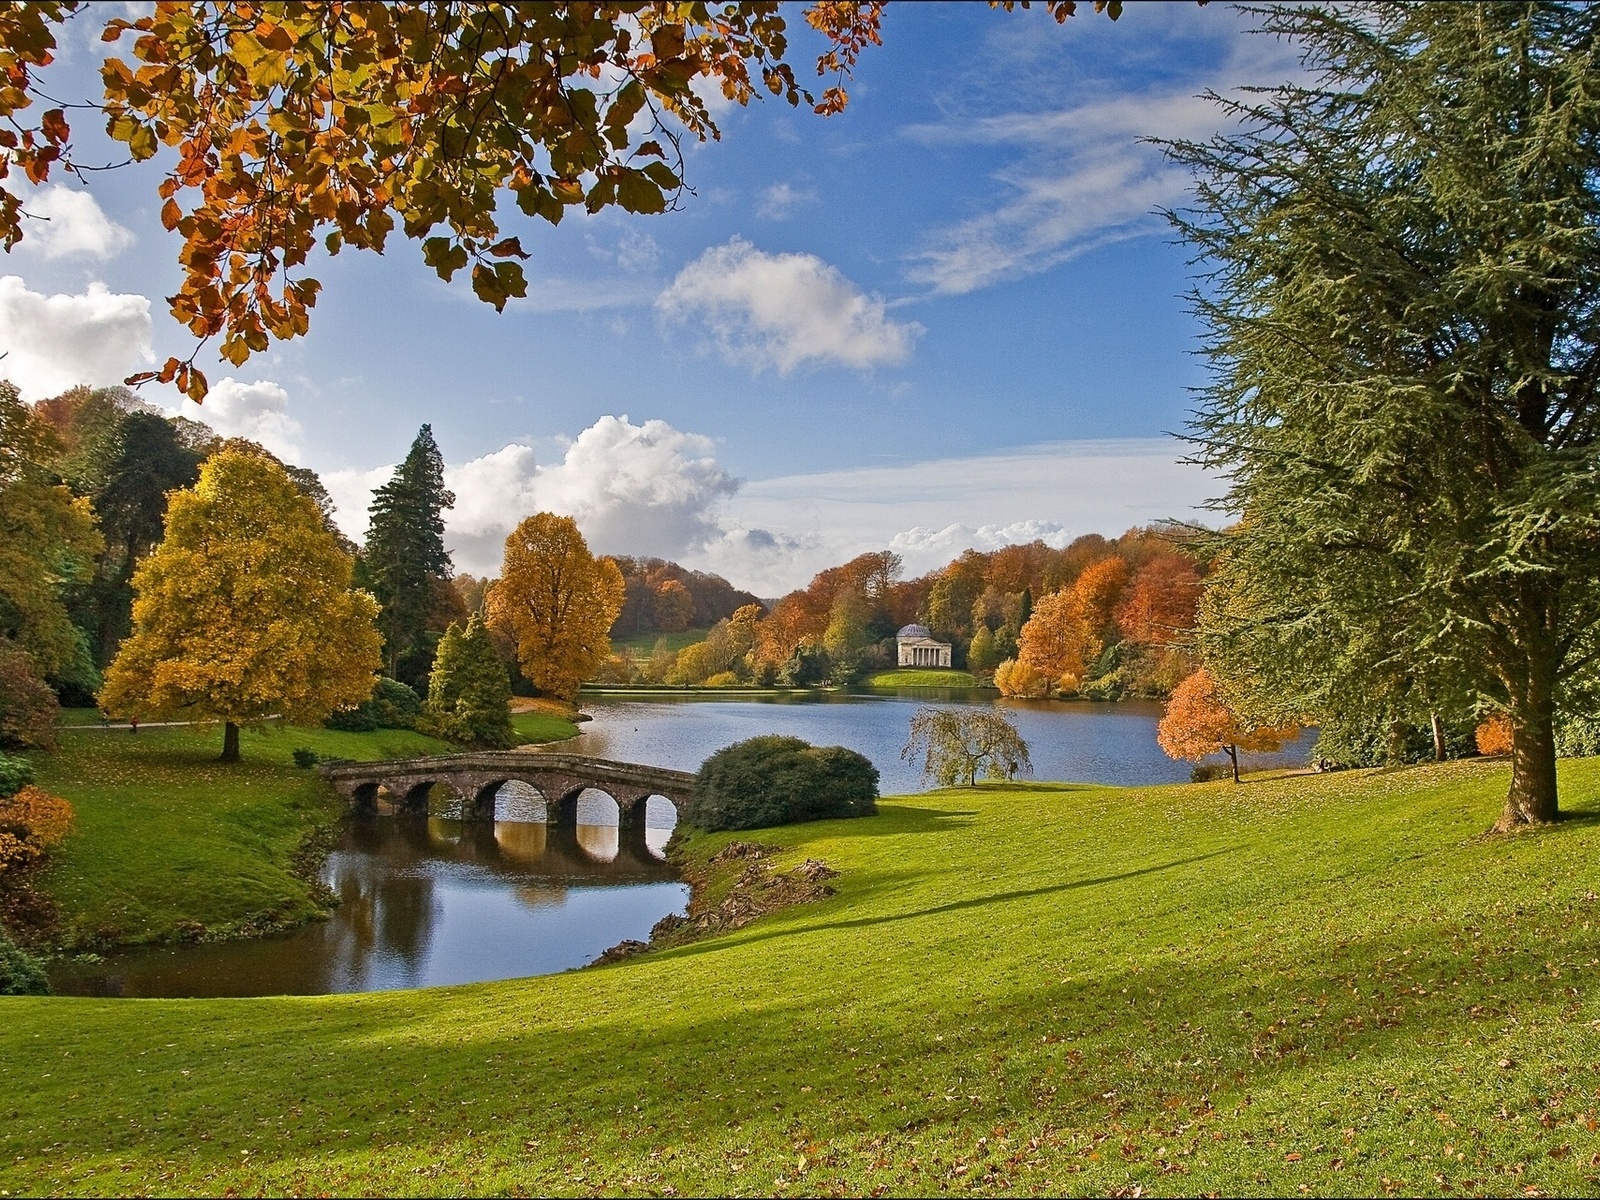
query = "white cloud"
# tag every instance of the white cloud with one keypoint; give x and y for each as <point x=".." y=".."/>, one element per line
<point x="258" y="411"/>
<point x="52" y="343"/>
<point x="778" y="202"/>
<point x="1082" y="177"/>
<point x="69" y="223"/>
<point x="645" y="489"/>
<point x="929" y="512"/>
<point x="785" y="310"/>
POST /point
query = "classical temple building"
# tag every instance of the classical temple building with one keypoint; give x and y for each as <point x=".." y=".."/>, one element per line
<point x="918" y="648"/>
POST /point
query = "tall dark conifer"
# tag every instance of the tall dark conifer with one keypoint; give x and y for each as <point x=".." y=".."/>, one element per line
<point x="405" y="562"/>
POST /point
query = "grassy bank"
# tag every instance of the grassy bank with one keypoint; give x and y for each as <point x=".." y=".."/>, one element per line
<point x="922" y="678"/>
<point x="169" y="843"/>
<point x="1330" y="983"/>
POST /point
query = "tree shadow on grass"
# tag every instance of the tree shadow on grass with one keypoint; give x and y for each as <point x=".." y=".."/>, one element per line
<point x="905" y="818"/>
<point x="959" y="905"/>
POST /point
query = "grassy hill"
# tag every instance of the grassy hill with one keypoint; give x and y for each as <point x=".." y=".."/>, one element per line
<point x="927" y="677"/>
<point x="1330" y="984"/>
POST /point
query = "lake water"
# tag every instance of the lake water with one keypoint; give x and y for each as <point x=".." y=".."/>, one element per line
<point x="428" y="902"/>
<point x="1078" y="741"/>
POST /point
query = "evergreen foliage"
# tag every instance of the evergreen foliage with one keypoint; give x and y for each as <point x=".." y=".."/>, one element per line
<point x="21" y="974"/>
<point x="774" y="780"/>
<point x="1402" y="290"/>
<point x="15" y="774"/>
<point x="392" y="705"/>
<point x="405" y="560"/>
<point x="469" y="692"/>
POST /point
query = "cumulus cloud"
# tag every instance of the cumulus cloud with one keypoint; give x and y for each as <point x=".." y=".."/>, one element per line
<point x="778" y="202"/>
<point x="258" y="411"/>
<point x="69" y="223"/>
<point x="52" y="343"/>
<point x="785" y="310"/>
<point x="646" y="489"/>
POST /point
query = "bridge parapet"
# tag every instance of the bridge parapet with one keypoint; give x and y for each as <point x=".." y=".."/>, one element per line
<point x="478" y="776"/>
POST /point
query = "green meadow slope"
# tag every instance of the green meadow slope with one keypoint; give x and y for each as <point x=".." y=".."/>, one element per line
<point x="1331" y="984"/>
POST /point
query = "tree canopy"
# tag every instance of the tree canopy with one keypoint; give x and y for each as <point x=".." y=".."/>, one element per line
<point x="245" y="609"/>
<point x="956" y="745"/>
<point x="556" y="601"/>
<point x="404" y="561"/>
<point x="321" y="126"/>
<point x="1402" y="295"/>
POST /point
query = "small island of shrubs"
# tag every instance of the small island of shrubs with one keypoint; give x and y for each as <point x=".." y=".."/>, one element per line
<point x="774" y="780"/>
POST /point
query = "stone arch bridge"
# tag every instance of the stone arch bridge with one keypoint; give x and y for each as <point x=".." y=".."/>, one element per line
<point x="478" y="777"/>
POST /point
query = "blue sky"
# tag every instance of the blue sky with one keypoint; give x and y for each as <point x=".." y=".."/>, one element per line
<point x="948" y="317"/>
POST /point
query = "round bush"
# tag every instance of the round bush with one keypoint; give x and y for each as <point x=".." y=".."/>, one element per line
<point x="15" y="774"/>
<point x="21" y="974"/>
<point x="775" y="780"/>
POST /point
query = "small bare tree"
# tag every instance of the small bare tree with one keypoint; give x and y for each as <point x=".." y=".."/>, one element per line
<point x="957" y="744"/>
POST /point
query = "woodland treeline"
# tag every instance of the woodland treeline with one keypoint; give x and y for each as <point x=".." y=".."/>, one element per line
<point x="1101" y="617"/>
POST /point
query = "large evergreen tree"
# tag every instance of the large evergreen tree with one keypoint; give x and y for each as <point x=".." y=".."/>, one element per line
<point x="405" y="563"/>
<point x="1402" y="273"/>
<point x="469" y="692"/>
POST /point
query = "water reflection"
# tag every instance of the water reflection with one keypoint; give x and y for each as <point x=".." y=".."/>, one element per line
<point x="1080" y="741"/>
<point x="425" y="903"/>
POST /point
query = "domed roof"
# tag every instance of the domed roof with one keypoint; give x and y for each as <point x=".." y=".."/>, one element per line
<point x="915" y="631"/>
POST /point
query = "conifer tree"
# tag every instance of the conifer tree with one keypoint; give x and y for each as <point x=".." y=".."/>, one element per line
<point x="406" y="565"/>
<point x="469" y="692"/>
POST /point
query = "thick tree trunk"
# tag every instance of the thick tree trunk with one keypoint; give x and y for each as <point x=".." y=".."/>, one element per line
<point x="1438" y="737"/>
<point x="1532" y="799"/>
<point x="1233" y="757"/>
<point x="230" y="742"/>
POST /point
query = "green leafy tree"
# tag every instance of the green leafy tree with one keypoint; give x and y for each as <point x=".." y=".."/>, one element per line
<point x="775" y="780"/>
<point x="469" y="692"/>
<point x="956" y="745"/>
<point x="1402" y="285"/>
<point x="405" y="562"/>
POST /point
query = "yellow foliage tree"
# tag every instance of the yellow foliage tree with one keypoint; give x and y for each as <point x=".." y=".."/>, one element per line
<point x="1016" y="678"/>
<point x="557" y="602"/>
<point x="1052" y="640"/>
<point x="245" y="609"/>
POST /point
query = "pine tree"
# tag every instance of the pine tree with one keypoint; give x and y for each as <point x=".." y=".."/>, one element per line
<point x="469" y="692"/>
<point x="405" y="561"/>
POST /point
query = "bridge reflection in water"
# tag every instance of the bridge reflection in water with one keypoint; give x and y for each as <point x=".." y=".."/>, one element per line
<point x="426" y="901"/>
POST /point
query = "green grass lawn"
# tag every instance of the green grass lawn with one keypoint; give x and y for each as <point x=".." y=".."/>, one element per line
<point x="1331" y="984"/>
<point x="541" y="727"/>
<point x="644" y="644"/>
<point x="922" y="677"/>
<point x="165" y="836"/>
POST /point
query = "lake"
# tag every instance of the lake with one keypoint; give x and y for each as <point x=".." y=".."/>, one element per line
<point x="435" y="901"/>
<point x="1078" y="741"/>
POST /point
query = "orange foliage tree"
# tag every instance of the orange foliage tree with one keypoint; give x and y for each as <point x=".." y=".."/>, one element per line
<point x="1495" y="736"/>
<point x="556" y="601"/>
<point x="31" y="821"/>
<point x="1158" y="608"/>
<point x="1052" y="640"/>
<point x="1199" y="722"/>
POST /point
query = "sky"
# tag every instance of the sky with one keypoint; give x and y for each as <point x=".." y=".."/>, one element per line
<point x="951" y="316"/>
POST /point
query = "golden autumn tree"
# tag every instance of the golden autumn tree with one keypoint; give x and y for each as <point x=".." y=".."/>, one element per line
<point x="556" y="601"/>
<point x="1094" y="596"/>
<point x="245" y="609"/>
<point x="1052" y="640"/>
<point x="1200" y="722"/>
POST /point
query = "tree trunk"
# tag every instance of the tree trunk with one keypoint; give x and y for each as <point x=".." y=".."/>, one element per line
<point x="1532" y="799"/>
<point x="1233" y="757"/>
<point x="230" y="742"/>
<point x="1438" y="738"/>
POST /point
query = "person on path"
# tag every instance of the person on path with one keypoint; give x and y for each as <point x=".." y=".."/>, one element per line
<point x="133" y="724"/>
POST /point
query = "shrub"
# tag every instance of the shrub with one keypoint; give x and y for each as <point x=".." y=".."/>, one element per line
<point x="31" y="821"/>
<point x="1017" y="678"/>
<point x="1578" y="736"/>
<point x="722" y="679"/>
<point x="1494" y="735"/>
<point x="773" y="780"/>
<point x="15" y="774"/>
<point x="392" y="705"/>
<point x="28" y="708"/>
<point x="1207" y="772"/>
<point x="21" y="974"/>
<point x="306" y="758"/>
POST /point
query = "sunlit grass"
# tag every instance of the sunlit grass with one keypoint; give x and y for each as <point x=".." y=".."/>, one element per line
<point x="1333" y="983"/>
<point x="929" y="677"/>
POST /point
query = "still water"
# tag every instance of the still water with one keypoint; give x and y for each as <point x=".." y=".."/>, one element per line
<point x="1079" y="741"/>
<point x="425" y="902"/>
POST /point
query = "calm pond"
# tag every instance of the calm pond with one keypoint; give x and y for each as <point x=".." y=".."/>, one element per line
<point x="425" y="903"/>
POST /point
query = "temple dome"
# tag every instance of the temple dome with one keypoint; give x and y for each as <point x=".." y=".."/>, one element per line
<point x="915" y="631"/>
